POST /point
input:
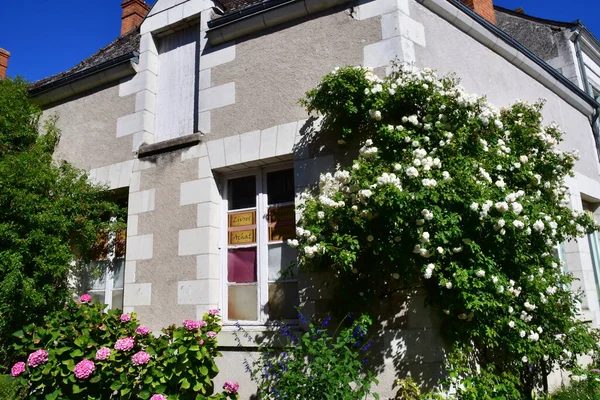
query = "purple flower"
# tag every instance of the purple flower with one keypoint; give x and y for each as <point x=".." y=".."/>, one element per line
<point x="158" y="397"/>
<point x="231" y="387"/>
<point x="37" y="357"/>
<point x="211" y="335"/>
<point x="125" y="317"/>
<point x="214" y="311"/>
<point x="85" y="298"/>
<point x="142" y="330"/>
<point x="125" y="344"/>
<point x="84" y="369"/>
<point x="103" y="353"/>
<point x="17" y="369"/>
<point x="140" y="358"/>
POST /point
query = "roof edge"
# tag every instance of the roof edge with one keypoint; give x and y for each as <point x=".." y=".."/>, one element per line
<point x="506" y="38"/>
<point x="536" y="19"/>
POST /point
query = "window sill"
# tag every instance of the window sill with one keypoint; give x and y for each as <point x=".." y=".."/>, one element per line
<point x="259" y="335"/>
<point x="165" y="146"/>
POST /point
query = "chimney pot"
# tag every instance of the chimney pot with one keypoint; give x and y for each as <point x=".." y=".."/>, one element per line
<point x="485" y="8"/>
<point x="134" y="12"/>
<point x="4" y="56"/>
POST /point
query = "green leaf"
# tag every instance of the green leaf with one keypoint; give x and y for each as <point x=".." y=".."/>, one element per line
<point x="76" y="353"/>
<point x="185" y="384"/>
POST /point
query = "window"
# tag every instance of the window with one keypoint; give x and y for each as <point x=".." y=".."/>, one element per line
<point x="103" y="277"/>
<point x="260" y="217"/>
<point x="594" y="247"/>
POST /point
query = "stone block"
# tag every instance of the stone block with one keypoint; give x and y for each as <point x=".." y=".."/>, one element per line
<point x="198" y="241"/>
<point x="382" y="53"/>
<point x="134" y="183"/>
<point x="141" y="202"/>
<point x="139" y="247"/>
<point x="147" y="43"/>
<point x="286" y="135"/>
<point x="232" y="150"/>
<point x="213" y="56"/>
<point x="154" y="22"/>
<point x="207" y="266"/>
<point x="175" y="14"/>
<point x="250" y="146"/>
<point x="125" y="173"/>
<point x="130" y="271"/>
<point x="195" y="292"/>
<point x="130" y="124"/>
<point x="217" y="97"/>
<point x="137" y="294"/>
<point x="205" y="79"/>
<point x="204" y="169"/>
<point x="370" y="9"/>
<point x="216" y="153"/>
<point x="268" y="142"/>
<point x="209" y="214"/>
<point x="132" y="225"/>
<point x="204" y="122"/>
<point x="114" y="171"/>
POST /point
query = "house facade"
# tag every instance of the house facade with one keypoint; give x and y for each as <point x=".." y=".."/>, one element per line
<point x="192" y="118"/>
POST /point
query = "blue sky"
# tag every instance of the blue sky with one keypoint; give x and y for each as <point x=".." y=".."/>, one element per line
<point x="47" y="37"/>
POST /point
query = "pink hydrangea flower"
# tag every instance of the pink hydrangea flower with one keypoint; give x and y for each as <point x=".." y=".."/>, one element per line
<point x="191" y="324"/>
<point x="140" y="358"/>
<point x="214" y="311"/>
<point x="158" y="397"/>
<point x="231" y="387"/>
<point x="142" y="330"/>
<point x="84" y="369"/>
<point x="103" y="353"/>
<point x="211" y="334"/>
<point x="17" y="369"/>
<point x="37" y="357"/>
<point x="125" y="317"/>
<point x="200" y="342"/>
<point x="85" y="298"/>
<point x="125" y="344"/>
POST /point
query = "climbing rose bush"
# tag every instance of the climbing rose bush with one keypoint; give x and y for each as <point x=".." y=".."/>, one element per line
<point x="449" y="193"/>
<point x="83" y="352"/>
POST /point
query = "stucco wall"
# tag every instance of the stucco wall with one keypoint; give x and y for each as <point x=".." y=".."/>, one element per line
<point x="274" y="69"/>
<point x="88" y="124"/>
<point x="485" y="72"/>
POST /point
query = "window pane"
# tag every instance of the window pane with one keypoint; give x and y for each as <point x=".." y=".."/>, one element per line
<point x="242" y="192"/>
<point x="282" y="223"/>
<point x="117" y="299"/>
<point x="283" y="297"/>
<point x="94" y="276"/>
<point x="280" y="258"/>
<point x="241" y="265"/>
<point x="280" y="186"/>
<point x="97" y="297"/>
<point x="242" y="302"/>
<point x="119" y="272"/>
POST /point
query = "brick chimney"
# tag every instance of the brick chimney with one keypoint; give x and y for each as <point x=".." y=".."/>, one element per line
<point x="4" y="56"/>
<point x="485" y="8"/>
<point x="134" y="12"/>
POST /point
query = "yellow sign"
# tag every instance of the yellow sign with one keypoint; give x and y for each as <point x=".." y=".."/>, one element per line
<point x="242" y="237"/>
<point x="282" y="214"/>
<point x="244" y="218"/>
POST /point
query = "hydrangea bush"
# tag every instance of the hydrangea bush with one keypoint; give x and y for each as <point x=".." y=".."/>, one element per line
<point x="84" y="352"/>
<point x="464" y="199"/>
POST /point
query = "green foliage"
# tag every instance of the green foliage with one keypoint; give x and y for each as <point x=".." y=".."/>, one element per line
<point x="181" y="361"/>
<point x="466" y="200"/>
<point x="48" y="214"/>
<point x="588" y="389"/>
<point x="10" y="389"/>
<point x="316" y="365"/>
<point x="408" y="389"/>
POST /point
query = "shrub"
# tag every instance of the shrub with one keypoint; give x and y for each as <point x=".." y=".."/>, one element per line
<point x="83" y="352"/>
<point x="583" y="387"/>
<point x="452" y="194"/>
<point x="315" y="365"/>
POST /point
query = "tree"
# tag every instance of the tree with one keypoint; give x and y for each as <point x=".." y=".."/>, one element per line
<point x="463" y="199"/>
<point x="50" y="216"/>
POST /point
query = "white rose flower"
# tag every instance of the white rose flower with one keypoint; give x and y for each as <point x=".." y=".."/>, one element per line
<point x="538" y="226"/>
<point x="292" y="243"/>
<point x="480" y="273"/>
<point x="524" y="359"/>
<point x="518" y="224"/>
<point x="321" y="214"/>
<point x="522" y="334"/>
<point x="510" y="309"/>
<point x="511" y="324"/>
<point x="474" y="206"/>
<point x="412" y="172"/>
<point x="370" y="238"/>
<point x="440" y="250"/>
<point x="448" y="285"/>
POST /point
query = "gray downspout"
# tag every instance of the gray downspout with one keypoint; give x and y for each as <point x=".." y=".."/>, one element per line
<point x="588" y="90"/>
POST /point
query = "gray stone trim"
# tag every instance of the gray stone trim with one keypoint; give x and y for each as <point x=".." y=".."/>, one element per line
<point x="146" y="150"/>
<point x="114" y="176"/>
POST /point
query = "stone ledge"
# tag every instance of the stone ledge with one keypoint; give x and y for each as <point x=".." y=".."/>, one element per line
<point x="181" y="142"/>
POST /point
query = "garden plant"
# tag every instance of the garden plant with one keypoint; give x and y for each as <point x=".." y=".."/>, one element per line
<point x="468" y="201"/>
<point x="83" y="352"/>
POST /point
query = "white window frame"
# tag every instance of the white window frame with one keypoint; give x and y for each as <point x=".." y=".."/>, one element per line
<point x="109" y="273"/>
<point x="262" y="242"/>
